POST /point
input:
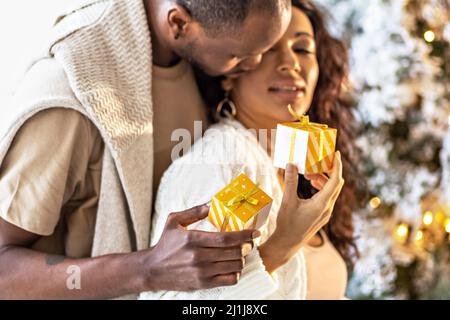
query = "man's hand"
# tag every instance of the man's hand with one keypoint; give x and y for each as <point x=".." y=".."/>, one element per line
<point x="182" y="260"/>
<point x="185" y="260"/>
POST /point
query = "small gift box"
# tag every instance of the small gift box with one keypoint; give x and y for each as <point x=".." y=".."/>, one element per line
<point x="310" y="146"/>
<point x="240" y="205"/>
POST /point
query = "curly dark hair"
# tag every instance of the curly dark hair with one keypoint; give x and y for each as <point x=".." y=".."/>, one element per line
<point x="331" y="105"/>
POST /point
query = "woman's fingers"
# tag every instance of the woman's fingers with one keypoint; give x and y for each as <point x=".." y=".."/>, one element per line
<point x="317" y="180"/>
<point x="317" y="184"/>
<point x="336" y="171"/>
<point x="315" y="176"/>
<point x="334" y="184"/>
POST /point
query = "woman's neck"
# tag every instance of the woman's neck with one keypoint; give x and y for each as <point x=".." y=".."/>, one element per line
<point x="264" y="128"/>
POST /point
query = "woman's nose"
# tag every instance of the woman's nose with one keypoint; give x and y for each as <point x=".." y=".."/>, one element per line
<point x="289" y="63"/>
<point x="251" y="62"/>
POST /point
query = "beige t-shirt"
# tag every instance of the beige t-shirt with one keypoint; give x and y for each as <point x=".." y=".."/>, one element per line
<point x="326" y="271"/>
<point x="50" y="178"/>
<point x="177" y="104"/>
<point x="50" y="181"/>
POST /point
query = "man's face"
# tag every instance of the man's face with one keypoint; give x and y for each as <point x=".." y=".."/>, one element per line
<point x="235" y="54"/>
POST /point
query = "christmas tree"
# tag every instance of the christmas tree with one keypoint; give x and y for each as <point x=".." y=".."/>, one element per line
<point x="400" y="72"/>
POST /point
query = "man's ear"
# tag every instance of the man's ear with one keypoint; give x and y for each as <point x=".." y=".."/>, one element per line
<point x="178" y="19"/>
<point x="227" y="84"/>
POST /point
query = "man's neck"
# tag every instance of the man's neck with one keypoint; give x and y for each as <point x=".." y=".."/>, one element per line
<point x="162" y="53"/>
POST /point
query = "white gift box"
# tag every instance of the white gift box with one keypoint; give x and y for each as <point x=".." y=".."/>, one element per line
<point x="309" y="146"/>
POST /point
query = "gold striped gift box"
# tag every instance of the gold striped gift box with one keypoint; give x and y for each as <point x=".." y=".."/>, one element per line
<point x="321" y="147"/>
<point x="311" y="146"/>
<point x="240" y="205"/>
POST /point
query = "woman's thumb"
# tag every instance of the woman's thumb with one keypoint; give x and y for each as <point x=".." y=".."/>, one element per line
<point x="291" y="180"/>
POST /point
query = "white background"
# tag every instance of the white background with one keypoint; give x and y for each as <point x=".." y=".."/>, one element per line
<point x="23" y="26"/>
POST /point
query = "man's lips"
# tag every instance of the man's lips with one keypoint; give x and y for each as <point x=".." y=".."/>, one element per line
<point x="235" y="74"/>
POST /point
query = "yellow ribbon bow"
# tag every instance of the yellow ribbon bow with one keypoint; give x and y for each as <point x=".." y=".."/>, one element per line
<point x="238" y="200"/>
<point x="304" y="120"/>
<point x="304" y="124"/>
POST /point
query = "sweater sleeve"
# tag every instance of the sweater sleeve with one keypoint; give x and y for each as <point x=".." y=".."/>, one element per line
<point x="187" y="184"/>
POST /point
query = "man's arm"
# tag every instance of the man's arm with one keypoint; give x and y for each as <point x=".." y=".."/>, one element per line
<point x="182" y="260"/>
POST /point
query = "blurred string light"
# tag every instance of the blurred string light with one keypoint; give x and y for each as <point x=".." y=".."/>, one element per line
<point x="375" y="202"/>
<point x="427" y="218"/>
<point x="419" y="236"/>
<point x="429" y="36"/>
<point x="447" y="225"/>
<point x="402" y="231"/>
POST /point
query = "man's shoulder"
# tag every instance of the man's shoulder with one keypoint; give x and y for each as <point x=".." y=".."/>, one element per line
<point x="43" y="86"/>
<point x="59" y="121"/>
<point x="45" y="78"/>
<point x="79" y="15"/>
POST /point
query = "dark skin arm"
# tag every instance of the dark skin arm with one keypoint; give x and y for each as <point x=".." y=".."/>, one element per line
<point x="181" y="261"/>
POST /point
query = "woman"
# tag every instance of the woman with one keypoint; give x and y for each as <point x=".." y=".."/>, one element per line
<point x="305" y="69"/>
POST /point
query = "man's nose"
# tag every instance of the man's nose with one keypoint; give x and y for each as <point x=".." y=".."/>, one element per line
<point x="251" y="62"/>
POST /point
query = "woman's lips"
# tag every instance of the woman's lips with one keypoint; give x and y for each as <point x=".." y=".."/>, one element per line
<point x="288" y="93"/>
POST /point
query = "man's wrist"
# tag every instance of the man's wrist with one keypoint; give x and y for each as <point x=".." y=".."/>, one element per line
<point x="142" y="280"/>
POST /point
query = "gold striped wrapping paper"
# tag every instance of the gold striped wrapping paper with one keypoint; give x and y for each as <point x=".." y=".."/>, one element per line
<point x="308" y="145"/>
<point x="240" y="205"/>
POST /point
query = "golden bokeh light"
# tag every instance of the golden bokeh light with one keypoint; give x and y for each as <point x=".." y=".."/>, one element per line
<point x="402" y="230"/>
<point x="429" y="36"/>
<point x="375" y="202"/>
<point x="428" y="218"/>
<point x="419" y="235"/>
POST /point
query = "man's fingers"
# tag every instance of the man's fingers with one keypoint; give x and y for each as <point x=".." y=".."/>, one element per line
<point x="222" y="239"/>
<point x="224" y="280"/>
<point x="246" y="249"/>
<point x="226" y="267"/>
<point x="187" y="217"/>
<point x="291" y="180"/>
<point x="221" y="254"/>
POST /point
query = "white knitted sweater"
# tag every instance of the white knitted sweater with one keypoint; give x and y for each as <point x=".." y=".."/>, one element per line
<point x="226" y="150"/>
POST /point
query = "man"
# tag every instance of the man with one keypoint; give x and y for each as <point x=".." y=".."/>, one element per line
<point x="87" y="136"/>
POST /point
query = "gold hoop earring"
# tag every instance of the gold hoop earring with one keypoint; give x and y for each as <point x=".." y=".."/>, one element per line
<point x="223" y="103"/>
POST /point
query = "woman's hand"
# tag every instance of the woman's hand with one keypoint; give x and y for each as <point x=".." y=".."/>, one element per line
<point x="299" y="219"/>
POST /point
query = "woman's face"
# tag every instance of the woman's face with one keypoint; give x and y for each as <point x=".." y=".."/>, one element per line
<point x="288" y="74"/>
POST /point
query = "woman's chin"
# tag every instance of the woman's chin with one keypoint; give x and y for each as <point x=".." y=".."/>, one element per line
<point x="283" y="113"/>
